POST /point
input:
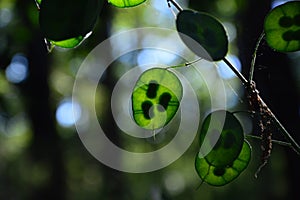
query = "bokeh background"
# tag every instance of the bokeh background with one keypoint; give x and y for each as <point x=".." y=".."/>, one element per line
<point x="41" y="155"/>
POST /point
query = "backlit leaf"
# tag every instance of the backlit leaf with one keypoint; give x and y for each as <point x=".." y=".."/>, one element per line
<point x="223" y="143"/>
<point x="38" y="1"/>
<point x="156" y="98"/>
<point x="69" y="21"/>
<point x="126" y="3"/>
<point x="69" y="43"/>
<point x="204" y="29"/>
<point x="282" y="27"/>
<point x="219" y="176"/>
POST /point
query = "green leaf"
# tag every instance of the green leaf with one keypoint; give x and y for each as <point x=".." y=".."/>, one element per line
<point x="219" y="176"/>
<point x="204" y="29"/>
<point x="38" y="1"/>
<point x="156" y="98"/>
<point x="282" y="27"/>
<point x="68" y="20"/>
<point x="126" y="3"/>
<point x="69" y="43"/>
<point x="223" y="143"/>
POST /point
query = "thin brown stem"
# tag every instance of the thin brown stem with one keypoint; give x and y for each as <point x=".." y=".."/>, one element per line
<point x="175" y="4"/>
<point x="236" y="71"/>
<point x="251" y="74"/>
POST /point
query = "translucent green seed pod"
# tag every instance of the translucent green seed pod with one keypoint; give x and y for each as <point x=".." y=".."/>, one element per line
<point x="156" y="98"/>
<point x="204" y="29"/>
<point x="282" y="27"/>
<point x="126" y="3"/>
<point x="219" y="176"/>
<point x="225" y="144"/>
<point x="66" y="23"/>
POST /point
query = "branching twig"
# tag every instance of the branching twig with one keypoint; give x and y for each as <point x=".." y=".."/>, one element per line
<point x="236" y="71"/>
<point x="274" y="119"/>
<point x="274" y="141"/>
<point x="186" y="64"/>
